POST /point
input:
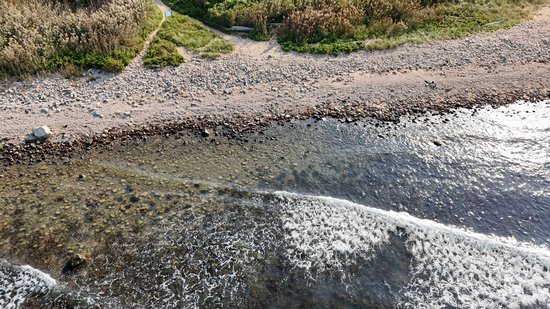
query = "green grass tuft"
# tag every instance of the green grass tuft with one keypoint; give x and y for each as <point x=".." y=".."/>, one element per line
<point x="162" y="53"/>
<point x="194" y="36"/>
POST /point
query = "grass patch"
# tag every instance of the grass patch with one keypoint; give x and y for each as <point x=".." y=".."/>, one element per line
<point x="331" y="47"/>
<point x="162" y="53"/>
<point x="440" y="21"/>
<point x="450" y="21"/>
<point x="343" y="26"/>
<point x="194" y="36"/>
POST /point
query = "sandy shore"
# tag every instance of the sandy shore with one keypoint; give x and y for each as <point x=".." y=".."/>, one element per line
<point x="258" y="83"/>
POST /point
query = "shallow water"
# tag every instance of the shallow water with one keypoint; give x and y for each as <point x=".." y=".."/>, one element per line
<point x="440" y="210"/>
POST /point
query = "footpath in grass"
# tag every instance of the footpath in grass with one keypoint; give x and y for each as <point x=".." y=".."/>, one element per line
<point x="183" y="31"/>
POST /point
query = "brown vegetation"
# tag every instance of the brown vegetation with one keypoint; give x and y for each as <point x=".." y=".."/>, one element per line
<point x="37" y="35"/>
<point x="319" y="20"/>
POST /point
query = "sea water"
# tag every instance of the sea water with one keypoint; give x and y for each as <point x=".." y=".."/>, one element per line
<point x="447" y="210"/>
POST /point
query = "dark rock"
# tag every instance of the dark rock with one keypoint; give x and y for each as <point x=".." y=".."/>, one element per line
<point x="74" y="263"/>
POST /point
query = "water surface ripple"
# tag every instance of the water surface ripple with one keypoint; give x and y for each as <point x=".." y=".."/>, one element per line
<point x="445" y="210"/>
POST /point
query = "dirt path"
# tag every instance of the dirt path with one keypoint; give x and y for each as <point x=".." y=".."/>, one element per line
<point x="250" y="47"/>
<point x="138" y="61"/>
<point x="259" y="82"/>
<point x="242" y="45"/>
<point x="163" y="7"/>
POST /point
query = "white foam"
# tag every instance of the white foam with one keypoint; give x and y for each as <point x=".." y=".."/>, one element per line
<point x="451" y="266"/>
<point x="17" y="283"/>
<point x="188" y="280"/>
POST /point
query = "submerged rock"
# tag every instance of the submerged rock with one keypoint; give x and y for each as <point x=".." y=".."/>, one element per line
<point x="74" y="263"/>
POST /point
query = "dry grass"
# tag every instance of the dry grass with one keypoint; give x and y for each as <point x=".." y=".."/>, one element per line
<point x="38" y="35"/>
<point x="322" y="20"/>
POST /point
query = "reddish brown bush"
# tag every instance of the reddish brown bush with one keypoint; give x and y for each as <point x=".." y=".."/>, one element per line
<point x="326" y="20"/>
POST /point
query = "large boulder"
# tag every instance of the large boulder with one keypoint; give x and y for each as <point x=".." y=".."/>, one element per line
<point x="40" y="133"/>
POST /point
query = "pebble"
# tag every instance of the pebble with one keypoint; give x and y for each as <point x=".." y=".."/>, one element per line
<point x="96" y="114"/>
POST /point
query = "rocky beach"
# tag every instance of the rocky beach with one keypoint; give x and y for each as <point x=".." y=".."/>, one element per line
<point x="259" y="83"/>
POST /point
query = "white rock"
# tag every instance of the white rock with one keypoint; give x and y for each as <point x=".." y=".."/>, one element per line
<point x="42" y="132"/>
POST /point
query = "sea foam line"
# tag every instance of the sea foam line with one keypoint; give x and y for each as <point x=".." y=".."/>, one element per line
<point x="406" y="218"/>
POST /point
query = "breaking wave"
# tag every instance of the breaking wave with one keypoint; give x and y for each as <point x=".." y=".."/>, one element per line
<point x="17" y="283"/>
<point x="450" y="266"/>
<point x="283" y="249"/>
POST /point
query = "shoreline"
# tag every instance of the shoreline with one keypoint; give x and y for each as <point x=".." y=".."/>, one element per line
<point x="209" y="127"/>
<point x="259" y="84"/>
